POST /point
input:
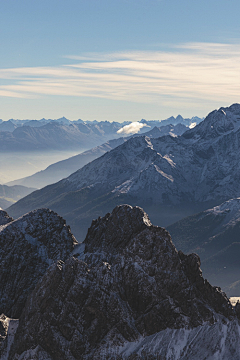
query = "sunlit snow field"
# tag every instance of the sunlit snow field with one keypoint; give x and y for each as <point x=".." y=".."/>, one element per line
<point x="234" y="300"/>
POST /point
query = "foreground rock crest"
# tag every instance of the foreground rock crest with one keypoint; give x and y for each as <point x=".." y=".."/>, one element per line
<point x="125" y="283"/>
<point x="28" y="246"/>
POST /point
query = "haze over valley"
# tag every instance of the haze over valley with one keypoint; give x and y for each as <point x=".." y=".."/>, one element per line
<point x="28" y="148"/>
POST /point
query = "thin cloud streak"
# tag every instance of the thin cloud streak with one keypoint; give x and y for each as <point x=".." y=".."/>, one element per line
<point x="190" y="72"/>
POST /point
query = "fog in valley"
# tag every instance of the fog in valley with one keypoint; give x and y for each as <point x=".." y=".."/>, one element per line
<point x="15" y="165"/>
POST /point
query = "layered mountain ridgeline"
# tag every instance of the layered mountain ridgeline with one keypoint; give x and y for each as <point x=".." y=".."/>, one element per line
<point x="11" y="194"/>
<point x="52" y="136"/>
<point x="105" y="126"/>
<point x="125" y="293"/>
<point x="174" y="121"/>
<point x="158" y="131"/>
<point x="215" y="235"/>
<point x="64" y="168"/>
<point x="171" y="177"/>
<point x="61" y="134"/>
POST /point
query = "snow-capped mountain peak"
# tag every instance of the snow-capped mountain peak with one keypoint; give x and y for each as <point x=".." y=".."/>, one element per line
<point x="217" y="123"/>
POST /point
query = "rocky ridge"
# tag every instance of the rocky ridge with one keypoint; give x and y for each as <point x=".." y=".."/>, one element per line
<point x="28" y="246"/>
<point x="4" y="217"/>
<point x="125" y="289"/>
<point x="62" y="134"/>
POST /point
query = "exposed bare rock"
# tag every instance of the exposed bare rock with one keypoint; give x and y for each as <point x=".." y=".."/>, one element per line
<point x="129" y="284"/>
<point x="4" y="217"/>
<point x="27" y="247"/>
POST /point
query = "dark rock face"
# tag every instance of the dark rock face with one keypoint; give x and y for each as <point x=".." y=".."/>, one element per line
<point x="4" y="217"/>
<point x="131" y="283"/>
<point x="110" y="234"/>
<point x="27" y="247"/>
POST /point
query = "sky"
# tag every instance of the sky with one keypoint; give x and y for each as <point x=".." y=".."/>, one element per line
<point x="118" y="60"/>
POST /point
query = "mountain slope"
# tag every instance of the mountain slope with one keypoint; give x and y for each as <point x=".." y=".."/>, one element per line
<point x="171" y="177"/>
<point x="64" y="168"/>
<point x="61" y="134"/>
<point x="215" y="235"/>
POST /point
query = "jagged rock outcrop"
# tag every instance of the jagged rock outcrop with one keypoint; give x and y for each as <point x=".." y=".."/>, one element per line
<point x="28" y="246"/>
<point x="4" y="217"/>
<point x="124" y="284"/>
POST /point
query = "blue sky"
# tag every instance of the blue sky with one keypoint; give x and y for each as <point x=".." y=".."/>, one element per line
<point x="119" y="59"/>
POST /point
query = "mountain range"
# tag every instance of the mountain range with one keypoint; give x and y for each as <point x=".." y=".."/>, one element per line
<point x="106" y="126"/>
<point x="171" y="177"/>
<point x="53" y="136"/>
<point x="174" y="121"/>
<point x="63" y="134"/>
<point x="64" y="168"/>
<point x="126" y="291"/>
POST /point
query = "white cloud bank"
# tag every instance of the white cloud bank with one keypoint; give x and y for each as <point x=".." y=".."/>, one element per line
<point x="132" y="128"/>
<point x="190" y="73"/>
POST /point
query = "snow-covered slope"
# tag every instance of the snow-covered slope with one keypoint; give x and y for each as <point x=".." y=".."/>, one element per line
<point x="201" y="230"/>
<point x="173" y="130"/>
<point x="219" y="341"/>
<point x="64" y="168"/>
<point x="219" y="122"/>
<point x="229" y="211"/>
<point x="199" y="167"/>
<point x="215" y="235"/>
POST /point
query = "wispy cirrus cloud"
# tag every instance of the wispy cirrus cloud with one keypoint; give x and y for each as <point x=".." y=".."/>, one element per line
<point x="188" y="72"/>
